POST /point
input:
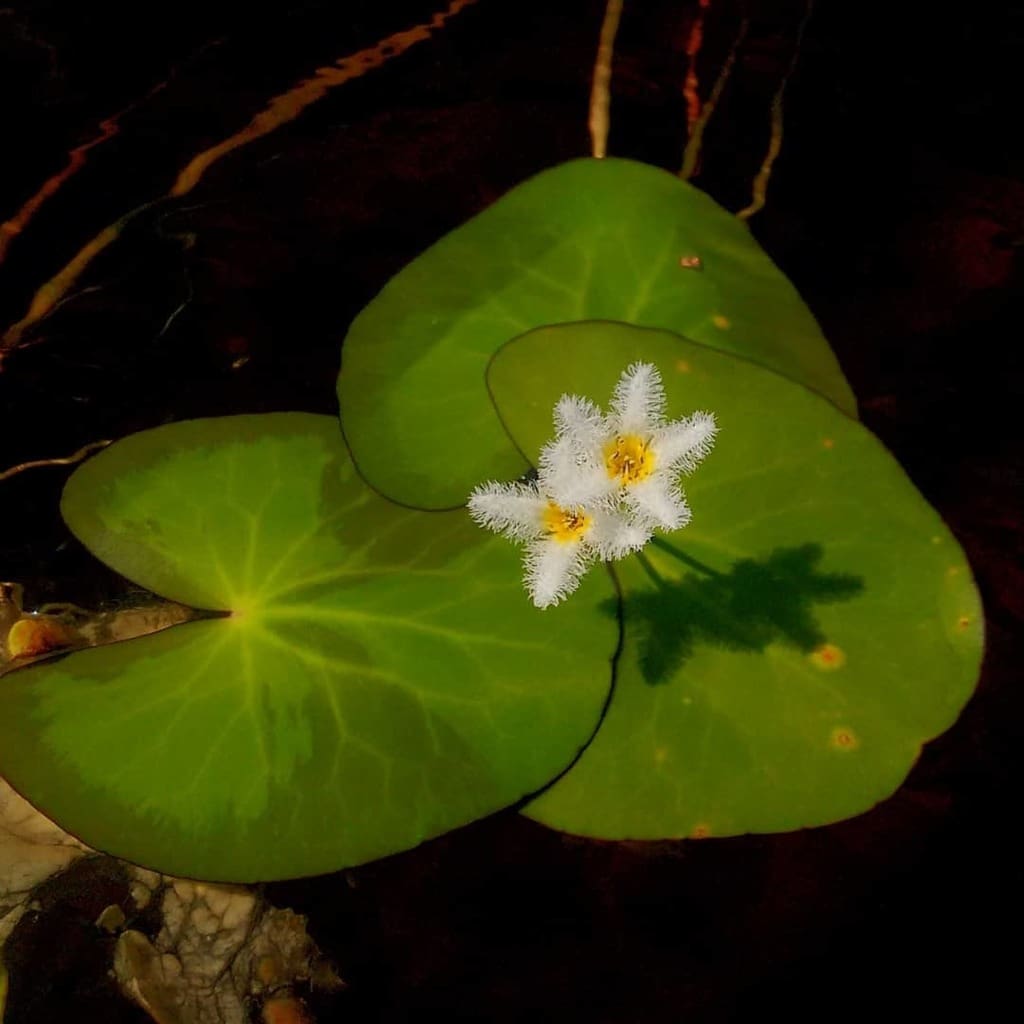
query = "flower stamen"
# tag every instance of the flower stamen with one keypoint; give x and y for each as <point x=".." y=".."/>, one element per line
<point x="566" y="525"/>
<point x="629" y="458"/>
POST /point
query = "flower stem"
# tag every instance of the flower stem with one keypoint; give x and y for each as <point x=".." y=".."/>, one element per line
<point x="649" y="569"/>
<point x="686" y="559"/>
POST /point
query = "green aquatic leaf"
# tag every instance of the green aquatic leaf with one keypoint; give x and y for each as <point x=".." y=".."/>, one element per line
<point x="589" y="240"/>
<point x="787" y="654"/>
<point x="380" y="678"/>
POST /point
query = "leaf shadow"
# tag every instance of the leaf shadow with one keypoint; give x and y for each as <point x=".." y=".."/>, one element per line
<point x="756" y="603"/>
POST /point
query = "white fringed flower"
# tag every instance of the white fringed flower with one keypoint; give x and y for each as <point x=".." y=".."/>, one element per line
<point x="630" y="460"/>
<point x="603" y="484"/>
<point x="561" y="542"/>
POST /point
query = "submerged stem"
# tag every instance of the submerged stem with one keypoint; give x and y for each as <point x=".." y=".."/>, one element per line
<point x="600" y="95"/>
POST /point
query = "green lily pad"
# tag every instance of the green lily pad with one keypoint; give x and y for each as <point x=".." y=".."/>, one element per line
<point x="381" y="677"/>
<point x="589" y="240"/>
<point x="787" y="654"/>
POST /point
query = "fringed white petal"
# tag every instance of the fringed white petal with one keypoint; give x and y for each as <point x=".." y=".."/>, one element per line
<point x="638" y="403"/>
<point x="613" y="536"/>
<point x="658" y="502"/>
<point x="680" y="446"/>
<point x="580" y="420"/>
<point x="572" y="478"/>
<point x="553" y="570"/>
<point x="571" y="468"/>
<point x="514" y="510"/>
<point x="557" y="467"/>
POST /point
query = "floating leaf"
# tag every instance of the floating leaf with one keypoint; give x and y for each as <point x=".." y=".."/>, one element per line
<point x="381" y="677"/>
<point x="786" y="655"/>
<point x="589" y="240"/>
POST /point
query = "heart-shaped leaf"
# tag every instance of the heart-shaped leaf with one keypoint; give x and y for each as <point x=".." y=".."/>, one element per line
<point x="381" y="677"/>
<point x="589" y="240"/>
<point x="786" y="655"/>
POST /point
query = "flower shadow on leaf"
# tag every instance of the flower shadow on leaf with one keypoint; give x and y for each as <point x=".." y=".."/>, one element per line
<point x="754" y="604"/>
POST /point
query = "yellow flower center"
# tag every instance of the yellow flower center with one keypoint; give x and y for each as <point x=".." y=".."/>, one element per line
<point x="564" y="524"/>
<point x="629" y="458"/>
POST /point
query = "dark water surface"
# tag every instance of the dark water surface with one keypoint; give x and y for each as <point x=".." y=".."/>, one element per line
<point x="896" y="206"/>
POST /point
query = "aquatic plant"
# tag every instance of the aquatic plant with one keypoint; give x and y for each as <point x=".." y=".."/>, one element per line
<point x="370" y="674"/>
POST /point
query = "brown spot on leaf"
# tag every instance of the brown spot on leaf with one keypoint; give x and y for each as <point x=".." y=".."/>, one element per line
<point x="844" y="738"/>
<point x="828" y="657"/>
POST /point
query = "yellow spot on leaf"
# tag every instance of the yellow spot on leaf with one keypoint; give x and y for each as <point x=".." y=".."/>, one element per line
<point x="691" y="263"/>
<point x="828" y="657"/>
<point x="963" y="622"/>
<point x="843" y="738"/>
<point x="702" y="830"/>
<point x="828" y="443"/>
<point x="682" y="366"/>
<point x="721" y="322"/>
<point x="661" y="755"/>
